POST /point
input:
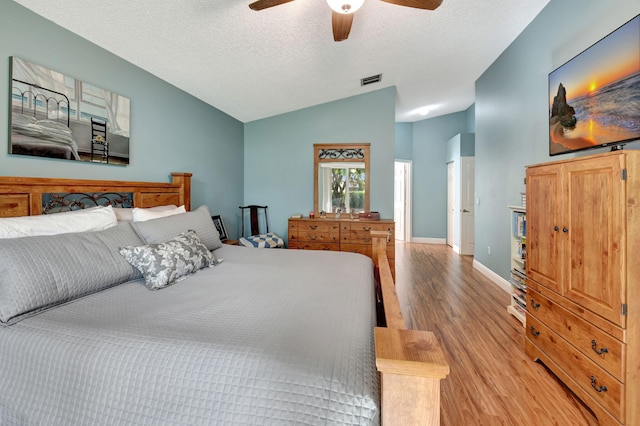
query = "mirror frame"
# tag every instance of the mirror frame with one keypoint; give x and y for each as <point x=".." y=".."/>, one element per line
<point x="341" y="152"/>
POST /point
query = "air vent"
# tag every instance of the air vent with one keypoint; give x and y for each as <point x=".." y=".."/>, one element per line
<point x="370" y="80"/>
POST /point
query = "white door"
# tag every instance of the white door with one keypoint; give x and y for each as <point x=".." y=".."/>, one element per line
<point x="402" y="200"/>
<point x="451" y="201"/>
<point x="467" y="196"/>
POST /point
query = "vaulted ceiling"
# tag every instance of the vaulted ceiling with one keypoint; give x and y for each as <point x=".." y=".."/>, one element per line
<point x="253" y="65"/>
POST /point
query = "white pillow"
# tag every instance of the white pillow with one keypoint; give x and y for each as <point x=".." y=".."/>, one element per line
<point x="93" y="219"/>
<point x="142" y="215"/>
<point x="126" y="214"/>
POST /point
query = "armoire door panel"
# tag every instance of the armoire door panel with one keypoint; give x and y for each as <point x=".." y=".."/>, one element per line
<point x="543" y="228"/>
<point x="595" y="236"/>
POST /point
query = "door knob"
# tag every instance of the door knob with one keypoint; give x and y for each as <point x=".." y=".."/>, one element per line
<point x="465" y="211"/>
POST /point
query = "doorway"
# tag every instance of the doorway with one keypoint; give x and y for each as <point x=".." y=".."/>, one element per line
<point x="460" y="205"/>
<point x="402" y="199"/>
<point x="451" y="203"/>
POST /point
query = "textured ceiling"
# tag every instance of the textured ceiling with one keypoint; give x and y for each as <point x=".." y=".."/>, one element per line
<point x="253" y="65"/>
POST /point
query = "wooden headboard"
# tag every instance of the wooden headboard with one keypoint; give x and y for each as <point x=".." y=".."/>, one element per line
<point x="22" y="196"/>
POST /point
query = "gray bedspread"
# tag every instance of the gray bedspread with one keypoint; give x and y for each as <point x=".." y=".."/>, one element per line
<point x="269" y="337"/>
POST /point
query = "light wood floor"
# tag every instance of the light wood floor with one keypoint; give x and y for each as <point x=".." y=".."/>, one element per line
<point x="492" y="381"/>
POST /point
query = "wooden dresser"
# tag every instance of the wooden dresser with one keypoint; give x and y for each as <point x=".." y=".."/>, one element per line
<point x="583" y="279"/>
<point x="340" y="235"/>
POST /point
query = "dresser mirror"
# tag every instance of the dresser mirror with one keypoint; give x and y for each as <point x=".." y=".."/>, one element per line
<point x="341" y="179"/>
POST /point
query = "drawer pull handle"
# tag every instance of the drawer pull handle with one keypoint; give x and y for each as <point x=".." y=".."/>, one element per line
<point x="313" y="226"/>
<point x="598" y="351"/>
<point x="366" y="228"/>
<point x="565" y="230"/>
<point x="602" y="388"/>
<point x="534" y="332"/>
<point x="555" y="228"/>
<point x="534" y="305"/>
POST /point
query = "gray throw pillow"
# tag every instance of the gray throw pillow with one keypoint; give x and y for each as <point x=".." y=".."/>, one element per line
<point x="161" y="229"/>
<point x="40" y="272"/>
<point x="167" y="263"/>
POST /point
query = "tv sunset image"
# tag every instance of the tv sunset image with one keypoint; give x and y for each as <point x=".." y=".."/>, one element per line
<point x="594" y="99"/>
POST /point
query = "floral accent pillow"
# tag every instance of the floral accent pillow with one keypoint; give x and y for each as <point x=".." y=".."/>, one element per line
<point x="166" y="263"/>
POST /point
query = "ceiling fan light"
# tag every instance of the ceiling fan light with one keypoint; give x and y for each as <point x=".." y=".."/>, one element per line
<point x="345" y="6"/>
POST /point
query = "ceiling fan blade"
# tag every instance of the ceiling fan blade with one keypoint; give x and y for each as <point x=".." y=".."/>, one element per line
<point x="341" y="23"/>
<point x="418" y="4"/>
<point x="265" y="4"/>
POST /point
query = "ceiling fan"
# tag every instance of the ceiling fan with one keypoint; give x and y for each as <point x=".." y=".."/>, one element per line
<point x="343" y="11"/>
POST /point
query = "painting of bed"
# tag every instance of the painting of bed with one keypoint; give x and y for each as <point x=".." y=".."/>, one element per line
<point x="54" y="115"/>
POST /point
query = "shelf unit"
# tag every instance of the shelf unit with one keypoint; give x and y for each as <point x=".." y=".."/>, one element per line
<point x="518" y="280"/>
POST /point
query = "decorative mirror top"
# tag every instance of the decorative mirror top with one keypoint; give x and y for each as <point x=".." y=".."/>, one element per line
<point x="341" y="153"/>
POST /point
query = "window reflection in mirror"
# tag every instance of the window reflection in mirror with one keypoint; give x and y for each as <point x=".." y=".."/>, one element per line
<point x="341" y="181"/>
<point x="341" y="186"/>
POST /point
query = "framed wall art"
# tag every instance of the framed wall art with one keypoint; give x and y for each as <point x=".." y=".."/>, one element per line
<point x="58" y="116"/>
<point x="217" y="221"/>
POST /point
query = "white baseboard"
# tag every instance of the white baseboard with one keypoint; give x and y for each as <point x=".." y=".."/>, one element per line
<point x="456" y="249"/>
<point x="495" y="278"/>
<point x="428" y="240"/>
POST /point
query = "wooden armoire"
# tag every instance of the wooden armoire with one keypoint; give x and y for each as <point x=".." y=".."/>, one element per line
<point x="583" y="279"/>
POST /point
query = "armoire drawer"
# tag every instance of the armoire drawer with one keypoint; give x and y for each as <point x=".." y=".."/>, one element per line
<point x="600" y="347"/>
<point x="602" y="386"/>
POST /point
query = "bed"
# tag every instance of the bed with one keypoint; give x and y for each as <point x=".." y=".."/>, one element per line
<point x="264" y="337"/>
<point x="41" y="129"/>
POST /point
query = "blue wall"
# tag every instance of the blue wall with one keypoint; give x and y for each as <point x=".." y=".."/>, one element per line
<point x="170" y="130"/>
<point x="511" y="111"/>
<point x="429" y="155"/>
<point x="278" y="156"/>
<point x="404" y="141"/>
<point x="425" y="144"/>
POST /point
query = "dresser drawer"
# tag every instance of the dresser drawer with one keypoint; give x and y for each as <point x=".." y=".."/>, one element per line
<point x="317" y="236"/>
<point x="585" y="372"/>
<point x="319" y="226"/>
<point x="369" y="226"/>
<point x="356" y="248"/>
<point x="600" y="347"/>
<point x="293" y="231"/>
<point x="360" y="233"/>
<point x="355" y="236"/>
<point x="299" y="245"/>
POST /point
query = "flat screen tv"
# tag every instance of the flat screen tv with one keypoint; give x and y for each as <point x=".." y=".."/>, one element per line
<point x="594" y="99"/>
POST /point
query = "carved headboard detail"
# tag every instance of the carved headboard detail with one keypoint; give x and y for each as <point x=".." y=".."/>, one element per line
<point x="66" y="201"/>
<point x="22" y="196"/>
